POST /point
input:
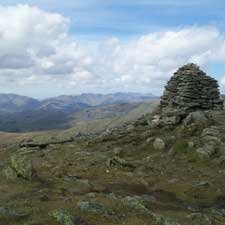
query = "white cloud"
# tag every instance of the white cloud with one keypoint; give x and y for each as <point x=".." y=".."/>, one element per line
<point x="36" y="51"/>
<point x="153" y="57"/>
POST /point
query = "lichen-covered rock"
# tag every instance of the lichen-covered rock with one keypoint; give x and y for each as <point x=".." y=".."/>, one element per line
<point x="96" y="208"/>
<point x="211" y="131"/>
<point x="197" y="117"/>
<point x="211" y="135"/>
<point x="206" y="151"/>
<point x="136" y="203"/>
<point x="22" y="165"/>
<point x="62" y="217"/>
<point x="159" y="144"/>
<point x="9" y="173"/>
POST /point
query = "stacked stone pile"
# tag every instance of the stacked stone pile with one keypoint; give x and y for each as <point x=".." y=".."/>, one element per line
<point x="190" y="89"/>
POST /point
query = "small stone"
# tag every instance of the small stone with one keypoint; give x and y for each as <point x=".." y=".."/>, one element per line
<point x="117" y="151"/>
<point x="91" y="195"/>
<point x="150" y="140"/>
<point x="154" y="122"/>
<point x="159" y="144"/>
<point x="135" y="202"/>
<point x="201" y="184"/>
<point x="191" y="144"/>
<point x="170" y="120"/>
<point x="117" y="161"/>
<point x="130" y="127"/>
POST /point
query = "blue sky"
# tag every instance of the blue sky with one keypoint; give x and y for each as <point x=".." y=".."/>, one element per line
<point x="132" y="17"/>
<point x="51" y="47"/>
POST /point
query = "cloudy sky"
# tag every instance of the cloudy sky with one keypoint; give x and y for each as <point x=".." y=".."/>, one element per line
<point x="50" y="47"/>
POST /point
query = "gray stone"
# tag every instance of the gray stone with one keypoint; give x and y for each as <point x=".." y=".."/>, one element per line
<point x="159" y="144"/>
<point x="211" y="131"/>
<point x="150" y="140"/>
<point x="197" y="117"/>
<point x="154" y="122"/>
<point x="170" y="120"/>
<point x="117" y="151"/>
<point x="211" y="135"/>
<point x="191" y="144"/>
<point x="207" y="151"/>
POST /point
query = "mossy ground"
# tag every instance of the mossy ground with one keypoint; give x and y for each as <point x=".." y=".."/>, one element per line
<point x="174" y="183"/>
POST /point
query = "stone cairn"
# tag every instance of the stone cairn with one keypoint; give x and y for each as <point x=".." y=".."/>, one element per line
<point x="189" y="90"/>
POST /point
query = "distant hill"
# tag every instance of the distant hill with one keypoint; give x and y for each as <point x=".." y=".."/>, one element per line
<point x="93" y="118"/>
<point x="11" y="103"/>
<point x="17" y="103"/>
<point x="24" y="114"/>
<point x="70" y="102"/>
<point x="100" y="99"/>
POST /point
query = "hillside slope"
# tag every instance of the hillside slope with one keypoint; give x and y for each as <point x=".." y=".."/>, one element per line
<point x="136" y="174"/>
<point x="17" y="103"/>
<point x="44" y="120"/>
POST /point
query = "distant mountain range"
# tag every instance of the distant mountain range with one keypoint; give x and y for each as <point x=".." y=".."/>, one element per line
<point x="11" y="103"/>
<point x="23" y="114"/>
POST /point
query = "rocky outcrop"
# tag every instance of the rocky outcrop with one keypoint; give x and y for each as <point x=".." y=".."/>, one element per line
<point x="192" y="110"/>
<point x="190" y="89"/>
<point x="43" y="142"/>
<point x="188" y="95"/>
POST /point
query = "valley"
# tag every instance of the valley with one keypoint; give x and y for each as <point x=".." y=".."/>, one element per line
<point x="64" y="112"/>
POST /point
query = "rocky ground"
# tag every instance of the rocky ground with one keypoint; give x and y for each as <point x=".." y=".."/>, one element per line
<point x="154" y="171"/>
